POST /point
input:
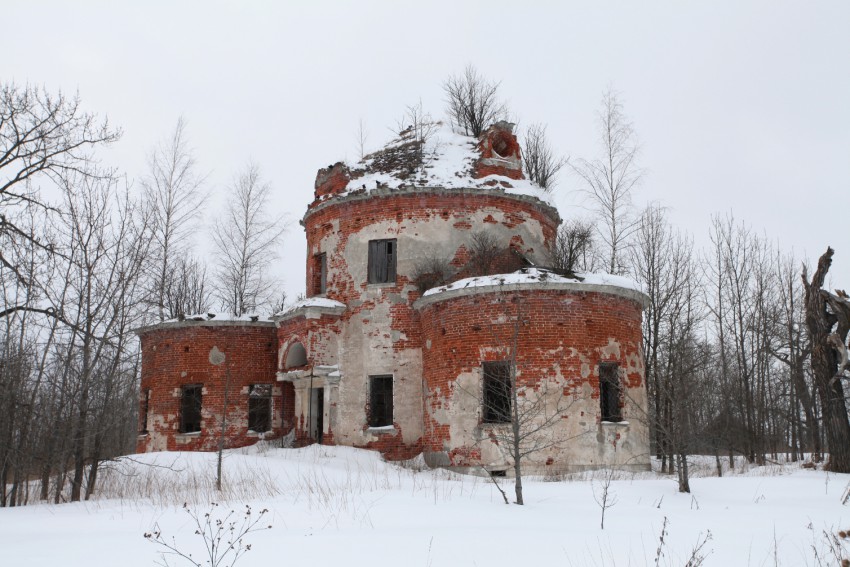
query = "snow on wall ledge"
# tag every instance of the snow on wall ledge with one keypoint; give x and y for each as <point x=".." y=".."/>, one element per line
<point x="210" y="320"/>
<point x="534" y="278"/>
<point x="311" y="305"/>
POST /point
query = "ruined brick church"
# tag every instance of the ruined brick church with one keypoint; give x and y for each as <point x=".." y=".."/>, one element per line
<point x="430" y="325"/>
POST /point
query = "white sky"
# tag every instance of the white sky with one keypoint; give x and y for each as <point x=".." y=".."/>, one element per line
<point x="741" y="107"/>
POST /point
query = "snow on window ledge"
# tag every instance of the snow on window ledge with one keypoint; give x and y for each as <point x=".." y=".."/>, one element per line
<point x="614" y="422"/>
<point x="382" y="429"/>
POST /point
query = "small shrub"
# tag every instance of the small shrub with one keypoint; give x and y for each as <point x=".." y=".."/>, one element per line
<point x="224" y="538"/>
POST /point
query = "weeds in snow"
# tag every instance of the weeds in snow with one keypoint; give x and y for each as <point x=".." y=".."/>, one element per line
<point x="223" y="537"/>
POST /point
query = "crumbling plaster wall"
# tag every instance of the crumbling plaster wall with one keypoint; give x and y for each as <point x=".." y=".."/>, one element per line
<point x="564" y="336"/>
<point x="379" y="333"/>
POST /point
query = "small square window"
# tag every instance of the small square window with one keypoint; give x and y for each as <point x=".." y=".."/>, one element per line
<point x="190" y="408"/>
<point x="610" y="392"/>
<point x="380" y="401"/>
<point x="260" y="407"/>
<point x="497" y="392"/>
<point x="382" y="261"/>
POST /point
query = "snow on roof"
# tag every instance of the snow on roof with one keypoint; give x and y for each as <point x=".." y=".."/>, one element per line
<point x="314" y="302"/>
<point x="539" y="276"/>
<point x="210" y="316"/>
<point x="208" y="319"/>
<point x="447" y="160"/>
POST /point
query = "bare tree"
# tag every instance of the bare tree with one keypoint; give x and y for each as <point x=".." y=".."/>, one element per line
<point x="539" y="161"/>
<point x="573" y="249"/>
<point x="172" y="187"/>
<point x="414" y="130"/>
<point x="360" y="138"/>
<point x="245" y="241"/>
<point x="42" y="136"/>
<point x="484" y="253"/>
<point x="473" y="102"/>
<point x="432" y="270"/>
<point x="108" y="243"/>
<point x="523" y="410"/>
<point x="187" y="291"/>
<point x="604" y="496"/>
<point x="610" y="181"/>
<point x="793" y="350"/>
<point x="665" y="263"/>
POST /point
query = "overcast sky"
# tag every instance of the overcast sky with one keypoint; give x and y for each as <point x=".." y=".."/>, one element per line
<point x="739" y="107"/>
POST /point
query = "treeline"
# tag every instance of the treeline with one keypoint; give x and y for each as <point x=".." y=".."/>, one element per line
<point x="728" y="340"/>
<point x="85" y="258"/>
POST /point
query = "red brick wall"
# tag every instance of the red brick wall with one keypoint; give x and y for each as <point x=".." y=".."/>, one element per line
<point x="172" y="357"/>
<point x="560" y="331"/>
<point x="329" y="227"/>
<point x="355" y="214"/>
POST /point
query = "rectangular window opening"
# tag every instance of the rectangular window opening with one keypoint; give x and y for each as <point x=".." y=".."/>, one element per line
<point x="382" y="261"/>
<point x="320" y="274"/>
<point x="610" y="392"/>
<point x="380" y="401"/>
<point x="497" y="392"/>
<point x="260" y="408"/>
<point x="143" y="412"/>
<point x="190" y="408"/>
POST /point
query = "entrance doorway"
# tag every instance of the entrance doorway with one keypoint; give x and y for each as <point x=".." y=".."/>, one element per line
<point x="317" y="411"/>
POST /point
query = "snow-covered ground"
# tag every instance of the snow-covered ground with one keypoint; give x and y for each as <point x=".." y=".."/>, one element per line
<point x="341" y="506"/>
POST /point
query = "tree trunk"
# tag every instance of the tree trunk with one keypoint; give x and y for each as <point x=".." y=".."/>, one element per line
<point x="825" y="367"/>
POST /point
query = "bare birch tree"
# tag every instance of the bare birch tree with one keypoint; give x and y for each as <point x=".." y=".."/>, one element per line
<point x="245" y="241"/>
<point x="610" y="181"/>
<point x="172" y="188"/>
<point x="360" y="139"/>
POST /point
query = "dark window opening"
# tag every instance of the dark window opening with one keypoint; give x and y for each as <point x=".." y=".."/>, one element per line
<point x="382" y="261"/>
<point x="320" y="274"/>
<point x="143" y="411"/>
<point x="260" y="407"/>
<point x="609" y="392"/>
<point x="190" y="408"/>
<point x="497" y="392"/>
<point x="501" y="473"/>
<point x="380" y="401"/>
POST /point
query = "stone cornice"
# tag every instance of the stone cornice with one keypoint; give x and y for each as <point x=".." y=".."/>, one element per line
<point x="385" y="192"/>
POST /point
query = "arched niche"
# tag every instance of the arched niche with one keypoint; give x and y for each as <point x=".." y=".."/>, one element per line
<point x="296" y="355"/>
